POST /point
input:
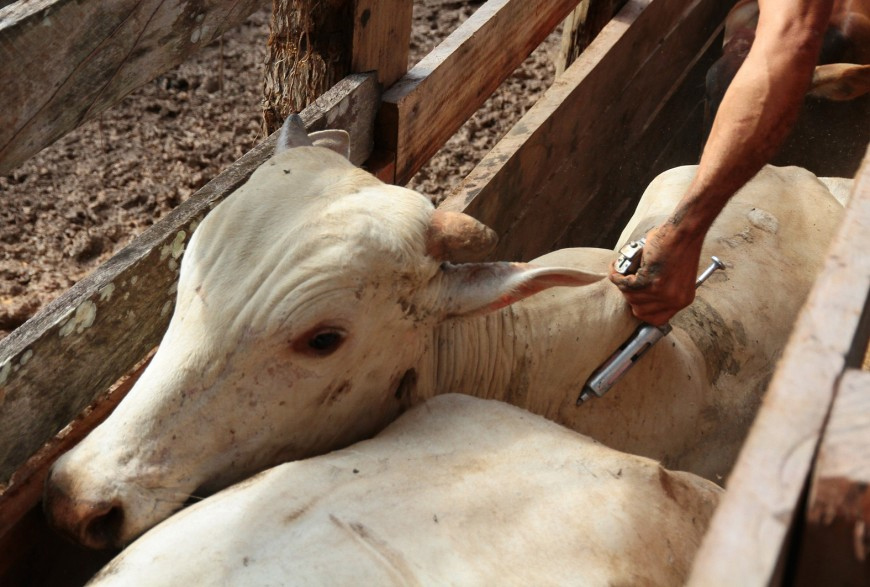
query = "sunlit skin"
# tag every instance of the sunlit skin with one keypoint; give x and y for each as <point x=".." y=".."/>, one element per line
<point x="756" y="114"/>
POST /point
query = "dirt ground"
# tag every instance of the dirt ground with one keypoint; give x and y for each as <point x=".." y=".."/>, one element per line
<point x="80" y="200"/>
<point x="83" y="198"/>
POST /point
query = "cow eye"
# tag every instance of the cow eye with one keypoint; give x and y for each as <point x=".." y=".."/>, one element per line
<point x="320" y="341"/>
<point x="325" y="342"/>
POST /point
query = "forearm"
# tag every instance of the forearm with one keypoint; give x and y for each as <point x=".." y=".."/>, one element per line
<point x="753" y="120"/>
<point x="757" y="111"/>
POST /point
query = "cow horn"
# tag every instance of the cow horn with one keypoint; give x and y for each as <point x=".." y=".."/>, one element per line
<point x="293" y="134"/>
<point x="458" y="238"/>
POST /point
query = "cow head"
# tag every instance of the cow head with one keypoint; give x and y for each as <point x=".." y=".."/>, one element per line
<point x="303" y="301"/>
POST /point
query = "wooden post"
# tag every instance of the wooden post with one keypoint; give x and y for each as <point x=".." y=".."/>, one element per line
<point x="581" y="26"/>
<point x="382" y="38"/>
<point x="309" y="50"/>
<point x="314" y="44"/>
<point x="835" y="547"/>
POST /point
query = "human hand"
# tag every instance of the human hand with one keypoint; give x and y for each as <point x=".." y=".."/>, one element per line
<point x="664" y="283"/>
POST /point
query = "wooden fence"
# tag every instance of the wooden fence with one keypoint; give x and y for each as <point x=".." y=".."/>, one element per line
<point x="568" y="173"/>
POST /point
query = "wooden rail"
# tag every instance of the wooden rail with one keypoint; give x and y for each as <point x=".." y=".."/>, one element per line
<point x="429" y="104"/>
<point x="561" y="161"/>
<point x="835" y="543"/>
<point x="749" y="539"/>
<point x="568" y="173"/>
<point x="63" y="62"/>
<point x="74" y="349"/>
<point x="25" y="488"/>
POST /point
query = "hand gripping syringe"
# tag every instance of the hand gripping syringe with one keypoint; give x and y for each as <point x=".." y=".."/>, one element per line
<point x="646" y="335"/>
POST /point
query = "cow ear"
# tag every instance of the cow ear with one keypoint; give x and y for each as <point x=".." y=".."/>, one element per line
<point x="479" y="288"/>
<point x="840" y="81"/>
<point x="334" y="140"/>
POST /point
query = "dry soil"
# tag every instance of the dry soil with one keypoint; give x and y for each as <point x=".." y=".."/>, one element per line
<point x="77" y="202"/>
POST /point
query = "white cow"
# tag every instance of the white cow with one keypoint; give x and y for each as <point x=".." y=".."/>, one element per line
<point x="458" y="491"/>
<point x="316" y="303"/>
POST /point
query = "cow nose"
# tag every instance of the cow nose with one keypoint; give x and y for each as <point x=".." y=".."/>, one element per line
<point x="95" y="524"/>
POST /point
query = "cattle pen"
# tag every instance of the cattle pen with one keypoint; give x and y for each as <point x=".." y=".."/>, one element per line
<point x="569" y="173"/>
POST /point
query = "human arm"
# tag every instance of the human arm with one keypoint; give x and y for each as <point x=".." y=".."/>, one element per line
<point x="753" y="120"/>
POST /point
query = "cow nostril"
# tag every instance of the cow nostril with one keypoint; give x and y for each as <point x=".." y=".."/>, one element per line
<point x="92" y="522"/>
<point x="103" y="527"/>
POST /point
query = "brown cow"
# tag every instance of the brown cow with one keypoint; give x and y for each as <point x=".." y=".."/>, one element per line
<point x="829" y="138"/>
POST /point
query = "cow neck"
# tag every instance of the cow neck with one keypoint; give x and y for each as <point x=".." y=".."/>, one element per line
<point x="534" y="354"/>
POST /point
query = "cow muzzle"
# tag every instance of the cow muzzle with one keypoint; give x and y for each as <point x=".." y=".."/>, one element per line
<point x="96" y="524"/>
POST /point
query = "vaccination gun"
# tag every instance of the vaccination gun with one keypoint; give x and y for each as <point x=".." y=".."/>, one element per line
<point x="646" y="335"/>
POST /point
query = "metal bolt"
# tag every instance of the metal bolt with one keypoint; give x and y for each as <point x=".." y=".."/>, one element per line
<point x="715" y="266"/>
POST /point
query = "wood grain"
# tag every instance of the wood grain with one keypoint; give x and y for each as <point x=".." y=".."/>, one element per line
<point x="382" y="38"/>
<point x="423" y="109"/>
<point x="558" y="166"/>
<point x="62" y="62"/>
<point x="309" y="52"/>
<point x="673" y="137"/>
<point x="25" y="487"/>
<point x="747" y="538"/>
<point x="75" y="348"/>
<point x="582" y="25"/>
<point x="835" y="543"/>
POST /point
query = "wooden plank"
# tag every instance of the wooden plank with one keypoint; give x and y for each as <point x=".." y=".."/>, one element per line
<point x="558" y="160"/>
<point x="70" y="352"/>
<point x="581" y="26"/>
<point x="673" y="138"/>
<point x="382" y="38"/>
<point x="835" y="544"/>
<point x="25" y="487"/>
<point x="27" y="544"/>
<point x="429" y="104"/>
<point x="745" y="543"/>
<point x="63" y="62"/>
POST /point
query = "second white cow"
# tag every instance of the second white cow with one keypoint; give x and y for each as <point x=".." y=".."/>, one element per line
<point x="458" y="491"/>
<point x="316" y="303"/>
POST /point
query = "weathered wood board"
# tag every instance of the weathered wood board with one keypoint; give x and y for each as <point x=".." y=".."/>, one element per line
<point x="74" y="349"/>
<point x="673" y="137"/>
<point x="747" y="541"/>
<point x="429" y="104"/>
<point x="581" y="27"/>
<point x="63" y="62"/>
<point x="835" y="542"/>
<point x="381" y="38"/>
<point x="30" y="552"/>
<point x="562" y="158"/>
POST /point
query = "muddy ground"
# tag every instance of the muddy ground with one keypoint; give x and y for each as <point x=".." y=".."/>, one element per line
<point x="83" y="198"/>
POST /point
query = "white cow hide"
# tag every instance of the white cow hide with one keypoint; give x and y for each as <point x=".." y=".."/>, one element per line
<point x="315" y="304"/>
<point x="458" y="491"/>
